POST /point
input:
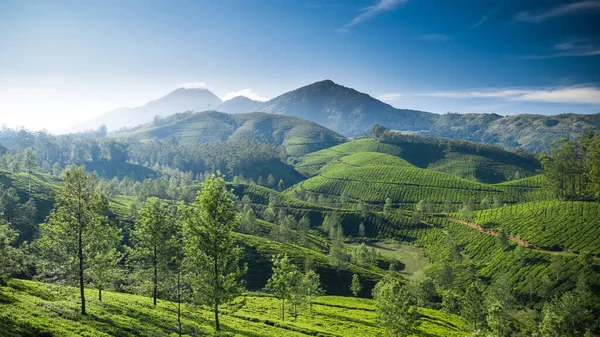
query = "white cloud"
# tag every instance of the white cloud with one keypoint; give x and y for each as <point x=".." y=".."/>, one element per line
<point x="572" y="48"/>
<point x="557" y="11"/>
<point x="389" y="97"/>
<point x="573" y="95"/>
<point x="371" y="11"/>
<point x="244" y="92"/>
<point x="193" y="85"/>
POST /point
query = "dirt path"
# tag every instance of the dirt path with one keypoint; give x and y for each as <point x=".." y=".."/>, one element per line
<point x="511" y="237"/>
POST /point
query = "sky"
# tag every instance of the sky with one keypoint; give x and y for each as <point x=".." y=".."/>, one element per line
<point x="64" y="62"/>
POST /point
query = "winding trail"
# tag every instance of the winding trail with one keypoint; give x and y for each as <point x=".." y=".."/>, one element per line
<point x="511" y="237"/>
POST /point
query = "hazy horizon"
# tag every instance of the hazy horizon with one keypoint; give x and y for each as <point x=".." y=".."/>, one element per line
<point x="64" y="63"/>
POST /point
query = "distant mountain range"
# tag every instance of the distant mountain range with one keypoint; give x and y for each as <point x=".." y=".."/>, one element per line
<point x="352" y="113"/>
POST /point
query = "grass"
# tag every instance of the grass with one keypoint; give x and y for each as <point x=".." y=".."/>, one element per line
<point x="412" y="257"/>
<point x="36" y="309"/>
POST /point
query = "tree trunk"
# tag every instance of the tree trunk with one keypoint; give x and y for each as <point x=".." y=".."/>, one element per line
<point x="155" y="289"/>
<point x="217" y="327"/>
<point x="282" y="310"/>
<point x="80" y="255"/>
<point x="179" y="302"/>
<point x="216" y="275"/>
<point x="100" y="294"/>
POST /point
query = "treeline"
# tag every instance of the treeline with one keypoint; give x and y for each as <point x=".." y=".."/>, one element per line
<point x="25" y="151"/>
<point x="573" y="167"/>
<point x="433" y="148"/>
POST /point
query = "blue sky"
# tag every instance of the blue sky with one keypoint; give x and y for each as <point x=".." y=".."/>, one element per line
<point x="63" y="62"/>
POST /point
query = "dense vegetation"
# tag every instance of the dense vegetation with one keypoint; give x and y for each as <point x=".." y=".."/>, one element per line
<point x="402" y="222"/>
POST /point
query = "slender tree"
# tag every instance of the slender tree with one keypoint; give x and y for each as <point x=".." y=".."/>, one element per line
<point x="282" y="281"/>
<point x="79" y="215"/>
<point x="212" y="256"/>
<point x="152" y="244"/>
<point x="312" y="286"/>
<point x="355" y="286"/>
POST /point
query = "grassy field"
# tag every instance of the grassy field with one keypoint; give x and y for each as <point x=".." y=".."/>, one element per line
<point x="410" y="256"/>
<point x="35" y="309"/>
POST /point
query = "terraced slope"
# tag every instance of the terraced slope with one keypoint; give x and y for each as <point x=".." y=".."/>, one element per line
<point x="372" y="179"/>
<point x="459" y="158"/>
<point x="552" y="225"/>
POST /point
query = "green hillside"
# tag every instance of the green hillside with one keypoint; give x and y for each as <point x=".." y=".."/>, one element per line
<point x="297" y="135"/>
<point x="462" y="159"/>
<point x="362" y="177"/>
<point x="552" y="225"/>
<point x="36" y="309"/>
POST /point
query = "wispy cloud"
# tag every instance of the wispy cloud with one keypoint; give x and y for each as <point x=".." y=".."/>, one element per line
<point x="573" y="95"/>
<point x="572" y="48"/>
<point x="389" y="97"/>
<point x="193" y="85"/>
<point x="554" y="12"/>
<point x="435" y="37"/>
<point x="367" y="13"/>
<point x="244" y="92"/>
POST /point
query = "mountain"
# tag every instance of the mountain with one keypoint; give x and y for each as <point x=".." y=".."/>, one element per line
<point x="352" y="113"/>
<point x="238" y="104"/>
<point x="297" y="135"/>
<point x="345" y="110"/>
<point x="179" y="100"/>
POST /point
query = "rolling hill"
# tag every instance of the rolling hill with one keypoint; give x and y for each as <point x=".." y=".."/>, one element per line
<point x="463" y="159"/>
<point x="298" y="136"/>
<point x="362" y="176"/>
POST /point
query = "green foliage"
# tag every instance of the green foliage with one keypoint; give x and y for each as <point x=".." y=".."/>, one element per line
<point x="11" y="258"/>
<point x="552" y="225"/>
<point x="395" y="307"/>
<point x="355" y="286"/>
<point x="154" y="244"/>
<point x="72" y="239"/>
<point x="211" y="253"/>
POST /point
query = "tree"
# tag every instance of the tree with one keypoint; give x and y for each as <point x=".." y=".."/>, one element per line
<point x="337" y="253"/>
<point x="500" y="303"/>
<point x="303" y="228"/>
<point x="105" y="258"/>
<point x="11" y="258"/>
<point x="387" y="208"/>
<point x="281" y="282"/>
<point x="153" y="244"/>
<point x="466" y="211"/>
<point x="270" y="180"/>
<point x="280" y="185"/>
<point x="355" y="286"/>
<point x="485" y="203"/>
<point x="472" y="305"/>
<point x="498" y="201"/>
<point x="312" y="286"/>
<point x="30" y="163"/>
<point x="212" y="257"/>
<point x="395" y="307"/>
<point x="361" y="230"/>
<point x="76" y="221"/>
<point x="377" y="130"/>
